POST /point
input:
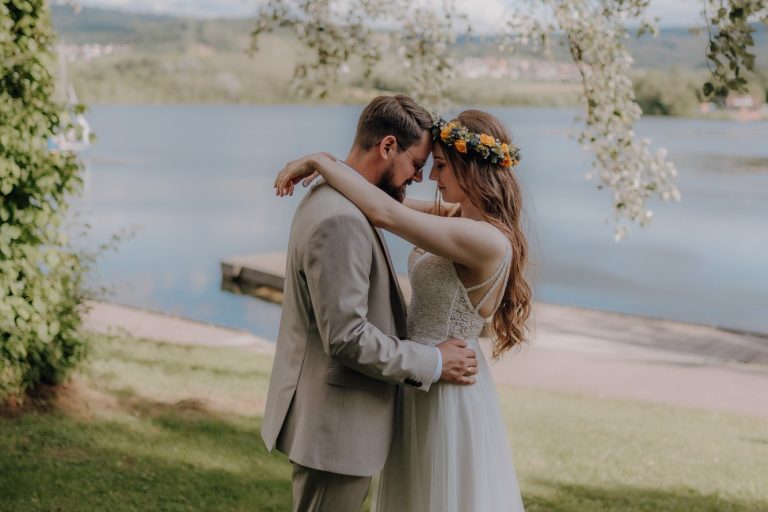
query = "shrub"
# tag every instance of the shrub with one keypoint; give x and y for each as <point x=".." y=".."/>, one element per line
<point x="41" y="275"/>
<point x="667" y="93"/>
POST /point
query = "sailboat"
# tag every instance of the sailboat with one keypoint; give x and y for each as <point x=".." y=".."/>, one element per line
<point x="77" y="137"/>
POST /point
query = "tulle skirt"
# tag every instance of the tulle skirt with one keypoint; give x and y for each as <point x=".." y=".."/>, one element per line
<point x="450" y="452"/>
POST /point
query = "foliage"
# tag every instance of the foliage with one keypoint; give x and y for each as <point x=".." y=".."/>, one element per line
<point x="730" y="39"/>
<point x="762" y="82"/>
<point x="668" y="93"/>
<point x="41" y="276"/>
<point x="595" y="33"/>
<point x="335" y="32"/>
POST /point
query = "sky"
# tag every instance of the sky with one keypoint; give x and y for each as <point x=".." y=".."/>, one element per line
<point x="482" y="13"/>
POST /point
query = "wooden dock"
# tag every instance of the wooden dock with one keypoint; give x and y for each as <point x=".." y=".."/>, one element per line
<point x="262" y="269"/>
<point x="263" y="275"/>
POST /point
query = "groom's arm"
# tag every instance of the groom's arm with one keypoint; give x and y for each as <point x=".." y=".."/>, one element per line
<point x="337" y="265"/>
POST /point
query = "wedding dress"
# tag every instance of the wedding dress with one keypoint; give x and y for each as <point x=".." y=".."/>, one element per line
<point x="450" y="451"/>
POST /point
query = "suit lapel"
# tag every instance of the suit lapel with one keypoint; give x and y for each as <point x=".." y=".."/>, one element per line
<point x="398" y="302"/>
<point x="396" y="294"/>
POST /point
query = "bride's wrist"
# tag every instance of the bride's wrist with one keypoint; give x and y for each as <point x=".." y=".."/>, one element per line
<point x="312" y="163"/>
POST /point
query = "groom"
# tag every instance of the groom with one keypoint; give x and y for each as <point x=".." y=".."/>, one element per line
<point x="341" y="351"/>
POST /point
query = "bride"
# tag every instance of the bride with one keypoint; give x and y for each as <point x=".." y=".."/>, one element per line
<point x="450" y="451"/>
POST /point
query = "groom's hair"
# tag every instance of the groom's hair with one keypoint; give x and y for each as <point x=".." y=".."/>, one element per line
<point x="391" y="115"/>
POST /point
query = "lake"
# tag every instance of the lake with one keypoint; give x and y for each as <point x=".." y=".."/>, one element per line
<point x="195" y="184"/>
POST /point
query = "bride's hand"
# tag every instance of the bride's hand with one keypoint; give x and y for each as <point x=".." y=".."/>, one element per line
<point x="304" y="169"/>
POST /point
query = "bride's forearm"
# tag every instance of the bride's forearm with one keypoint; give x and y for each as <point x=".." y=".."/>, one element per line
<point x="375" y="204"/>
<point x="419" y="205"/>
<point x="442" y="210"/>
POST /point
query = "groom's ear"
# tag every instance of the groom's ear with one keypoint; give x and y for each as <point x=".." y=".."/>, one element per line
<point x="388" y="147"/>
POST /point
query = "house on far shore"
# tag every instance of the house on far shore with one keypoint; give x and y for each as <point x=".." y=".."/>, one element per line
<point x="744" y="107"/>
<point x="742" y="101"/>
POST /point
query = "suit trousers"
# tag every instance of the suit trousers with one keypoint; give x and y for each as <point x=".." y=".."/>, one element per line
<point x="321" y="491"/>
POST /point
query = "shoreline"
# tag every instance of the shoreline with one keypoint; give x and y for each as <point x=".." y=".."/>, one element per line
<point x="117" y="319"/>
<point x="677" y="339"/>
<point x="716" y="342"/>
<point x="573" y="351"/>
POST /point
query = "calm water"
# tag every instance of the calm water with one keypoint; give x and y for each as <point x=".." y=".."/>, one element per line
<point x="196" y="184"/>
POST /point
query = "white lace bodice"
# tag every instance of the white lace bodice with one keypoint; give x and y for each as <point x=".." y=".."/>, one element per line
<point x="440" y="306"/>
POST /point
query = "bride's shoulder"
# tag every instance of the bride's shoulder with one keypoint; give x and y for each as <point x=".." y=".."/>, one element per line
<point x="494" y="241"/>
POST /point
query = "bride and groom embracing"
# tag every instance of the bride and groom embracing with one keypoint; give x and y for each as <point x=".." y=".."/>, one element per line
<point x="360" y="388"/>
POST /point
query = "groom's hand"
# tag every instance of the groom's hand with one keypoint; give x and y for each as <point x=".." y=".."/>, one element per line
<point x="459" y="362"/>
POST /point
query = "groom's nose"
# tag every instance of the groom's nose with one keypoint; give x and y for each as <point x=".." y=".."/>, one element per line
<point x="418" y="176"/>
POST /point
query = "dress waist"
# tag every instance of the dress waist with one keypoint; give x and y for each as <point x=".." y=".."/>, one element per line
<point x="434" y="342"/>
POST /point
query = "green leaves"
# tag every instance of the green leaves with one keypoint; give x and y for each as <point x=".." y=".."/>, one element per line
<point x="41" y="277"/>
<point x="335" y="33"/>
<point x="730" y="43"/>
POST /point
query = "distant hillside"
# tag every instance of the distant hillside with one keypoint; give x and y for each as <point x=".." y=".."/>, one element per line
<point x="94" y="25"/>
<point x="170" y="59"/>
<point x="148" y="31"/>
<point x="675" y="47"/>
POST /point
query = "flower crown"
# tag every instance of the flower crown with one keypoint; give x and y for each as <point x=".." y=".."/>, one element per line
<point x="486" y="146"/>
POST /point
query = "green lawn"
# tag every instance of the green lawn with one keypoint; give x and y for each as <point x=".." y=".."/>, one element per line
<point x="153" y="426"/>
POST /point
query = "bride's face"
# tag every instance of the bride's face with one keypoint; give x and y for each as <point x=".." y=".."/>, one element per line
<point x="442" y="174"/>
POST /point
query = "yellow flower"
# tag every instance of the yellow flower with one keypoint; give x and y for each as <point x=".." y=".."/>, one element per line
<point x="446" y="133"/>
<point x="507" y="162"/>
<point x="487" y="140"/>
<point x="460" y="145"/>
<point x="505" y="148"/>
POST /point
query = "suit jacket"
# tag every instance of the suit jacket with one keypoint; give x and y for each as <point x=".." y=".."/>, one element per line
<point x="339" y="356"/>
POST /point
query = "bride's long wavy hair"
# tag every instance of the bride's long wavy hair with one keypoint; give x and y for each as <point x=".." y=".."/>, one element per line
<point x="495" y="191"/>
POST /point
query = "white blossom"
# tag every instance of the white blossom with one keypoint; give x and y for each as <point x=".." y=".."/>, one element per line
<point x="594" y="32"/>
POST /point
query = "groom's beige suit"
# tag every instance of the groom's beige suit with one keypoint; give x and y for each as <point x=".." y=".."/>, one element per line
<point x="339" y="354"/>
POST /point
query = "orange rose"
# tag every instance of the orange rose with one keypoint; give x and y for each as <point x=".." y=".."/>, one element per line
<point x="507" y="162"/>
<point x="487" y="140"/>
<point x="446" y="133"/>
<point x="460" y="145"/>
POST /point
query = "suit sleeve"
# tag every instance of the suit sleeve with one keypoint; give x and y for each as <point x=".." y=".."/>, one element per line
<point x="337" y="265"/>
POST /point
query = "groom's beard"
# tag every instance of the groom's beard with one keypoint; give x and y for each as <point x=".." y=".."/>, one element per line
<point x="387" y="184"/>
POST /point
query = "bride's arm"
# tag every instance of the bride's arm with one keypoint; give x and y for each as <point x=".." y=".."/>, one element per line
<point x="310" y="173"/>
<point x="444" y="209"/>
<point x="465" y="241"/>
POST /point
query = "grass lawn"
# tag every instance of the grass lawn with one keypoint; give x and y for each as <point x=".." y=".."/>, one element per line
<point x="154" y="426"/>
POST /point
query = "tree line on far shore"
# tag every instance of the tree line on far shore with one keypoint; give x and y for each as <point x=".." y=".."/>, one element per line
<point x="192" y="78"/>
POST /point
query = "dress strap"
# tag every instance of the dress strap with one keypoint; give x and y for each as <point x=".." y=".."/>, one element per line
<point x="499" y="276"/>
<point x="495" y="274"/>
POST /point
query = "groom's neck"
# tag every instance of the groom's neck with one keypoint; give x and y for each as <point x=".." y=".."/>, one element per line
<point x="364" y="163"/>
